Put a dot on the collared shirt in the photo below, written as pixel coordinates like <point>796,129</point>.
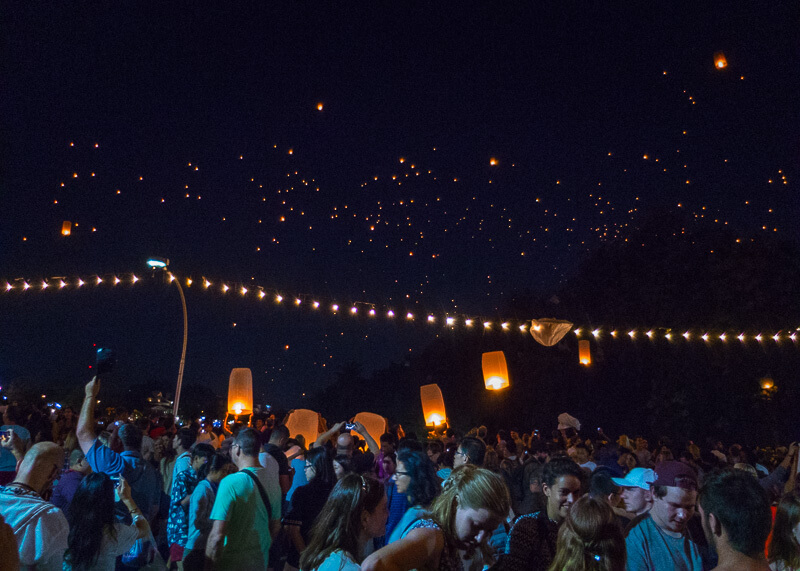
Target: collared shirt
<point>178,521</point>
<point>40,528</point>
<point>182,462</point>
<point>143,479</point>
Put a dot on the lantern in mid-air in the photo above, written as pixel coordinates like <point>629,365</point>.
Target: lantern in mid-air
<point>432,405</point>
<point>66,228</point>
<point>720,62</point>
<point>375,424</point>
<point>584,352</point>
<point>548,332</point>
<point>240,392</point>
<point>495,370</point>
<point>305,422</point>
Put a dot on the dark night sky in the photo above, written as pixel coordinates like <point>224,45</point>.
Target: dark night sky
<point>568,100</point>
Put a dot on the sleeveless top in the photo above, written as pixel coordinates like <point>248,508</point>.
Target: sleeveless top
<point>449,560</point>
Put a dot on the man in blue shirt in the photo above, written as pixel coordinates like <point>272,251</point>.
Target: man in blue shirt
<point>145,482</point>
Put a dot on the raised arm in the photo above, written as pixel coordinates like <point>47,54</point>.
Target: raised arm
<point>325,436</point>
<point>373,446</point>
<point>85,429</point>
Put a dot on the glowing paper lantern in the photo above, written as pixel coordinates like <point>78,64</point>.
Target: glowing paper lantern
<point>432,405</point>
<point>719,60</point>
<point>375,424</point>
<point>495,370</point>
<point>584,352</point>
<point>240,392</point>
<point>66,228</point>
<point>548,332</point>
<point>305,422</point>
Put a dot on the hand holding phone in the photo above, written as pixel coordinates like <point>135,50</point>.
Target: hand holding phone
<point>106,360</point>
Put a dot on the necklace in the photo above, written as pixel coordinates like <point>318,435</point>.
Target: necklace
<point>24,488</point>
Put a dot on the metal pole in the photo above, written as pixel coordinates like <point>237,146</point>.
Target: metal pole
<point>183,351</point>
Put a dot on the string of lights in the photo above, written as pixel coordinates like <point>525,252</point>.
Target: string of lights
<point>382,311</point>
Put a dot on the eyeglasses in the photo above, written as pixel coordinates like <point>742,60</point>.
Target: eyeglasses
<point>398,473</point>
<point>307,466</point>
<point>460,453</point>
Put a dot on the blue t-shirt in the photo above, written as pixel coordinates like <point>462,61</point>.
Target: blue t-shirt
<point>8,463</point>
<point>650,549</point>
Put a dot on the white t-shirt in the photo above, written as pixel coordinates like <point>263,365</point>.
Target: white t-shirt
<point>273,470</point>
<point>40,528</point>
<point>111,548</point>
<point>339,561</point>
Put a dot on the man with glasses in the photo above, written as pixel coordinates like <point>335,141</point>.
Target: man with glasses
<point>470,451</point>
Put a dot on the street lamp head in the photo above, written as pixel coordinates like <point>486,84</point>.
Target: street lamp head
<point>156,262</point>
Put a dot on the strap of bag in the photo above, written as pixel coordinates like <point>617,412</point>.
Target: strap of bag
<point>262,492</point>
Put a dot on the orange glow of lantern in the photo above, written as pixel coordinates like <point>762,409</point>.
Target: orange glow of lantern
<point>319,106</point>
<point>432,405</point>
<point>767,384</point>
<point>305,422</point>
<point>66,228</point>
<point>495,371</point>
<point>720,62</point>
<point>240,392</point>
<point>548,332</point>
<point>584,352</point>
<point>375,424</point>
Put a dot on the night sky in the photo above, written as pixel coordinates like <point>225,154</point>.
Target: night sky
<point>420,157</point>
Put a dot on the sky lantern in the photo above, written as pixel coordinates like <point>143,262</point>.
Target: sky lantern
<point>375,424</point>
<point>584,352</point>
<point>319,106</point>
<point>305,422</point>
<point>495,371</point>
<point>66,228</point>
<point>432,405</point>
<point>240,392</point>
<point>548,332</point>
<point>493,162</point>
<point>720,62</point>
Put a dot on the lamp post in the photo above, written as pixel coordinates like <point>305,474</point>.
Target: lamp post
<point>162,263</point>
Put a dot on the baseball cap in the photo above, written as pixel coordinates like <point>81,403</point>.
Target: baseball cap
<point>675,474</point>
<point>637,478</point>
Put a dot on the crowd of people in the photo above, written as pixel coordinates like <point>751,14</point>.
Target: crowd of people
<point>121,493</point>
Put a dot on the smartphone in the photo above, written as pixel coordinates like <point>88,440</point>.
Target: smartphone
<point>106,360</point>
<point>115,479</point>
<point>350,426</point>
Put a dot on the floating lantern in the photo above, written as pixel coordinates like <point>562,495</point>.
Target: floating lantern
<point>305,422</point>
<point>767,384</point>
<point>584,352</point>
<point>432,405</point>
<point>66,228</point>
<point>719,60</point>
<point>240,392</point>
<point>548,332</point>
<point>495,370</point>
<point>375,424</point>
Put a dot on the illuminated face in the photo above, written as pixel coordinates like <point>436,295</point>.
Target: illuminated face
<point>401,478</point>
<point>374,523</point>
<point>460,458</point>
<point>565,491</point>
<point>636,499</point>
<point>388,465</point>
<point>474,527</point>
<point>673,511</point>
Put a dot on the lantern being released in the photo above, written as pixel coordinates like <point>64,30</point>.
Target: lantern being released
<point>240,392</point>
<point>432,405</point>
<point>495,370</point>
<point>719,60</point>
<point>66,228</point>
<point>584,352</point>
<point>305,422</point>
<point>375,424</point>
<point>548,332</point>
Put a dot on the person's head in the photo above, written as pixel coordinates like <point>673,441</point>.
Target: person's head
<point>41,466</point>
<point>202,454</point>
<point>674,496</point>
<point>434,450</point>
<point>342,465</point>
<point>319,467</point>
<point>91,513</point>
<point>785,543</point>
<point>561,484</point>
<point>535,478</point>
<point>735,510</point>
<point>603,487</point>
<point>581,454</point>
<point>388,443</point>
<point>635,490</point>
<point>345,444</point>
<point>473,502</point>
<point>481,432</point>
<point>591,538</point>
<point>130,436</point>
<point>355,512</point>
<point>416,477</point>
<point>279,436</point>
<point>12,415</point>
<point>245,447</point>
<point>184,439</point>
<point>78,462</point>
<point>470,451</point>
<point>389,463</point>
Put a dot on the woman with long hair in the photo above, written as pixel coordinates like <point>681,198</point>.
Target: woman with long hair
<point>355,513</point>
<point>472,504</point>
<point>307,502</point>
<point>416,478</point>
<point>783,551</point>
<point>590,539</point>
<point>342,465</point>
<point>96,538</point>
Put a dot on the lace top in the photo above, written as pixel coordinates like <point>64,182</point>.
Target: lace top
<point>449,560</point>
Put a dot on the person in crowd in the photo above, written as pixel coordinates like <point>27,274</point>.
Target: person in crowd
<point>69,481</point>
<point>470,451</point>
<point>388,467</point>
<point>182,488</point>
<point>353,515</point>
<point>472,504</point>
<point>582,457</point>
<point>736,517</point>
<point>274,447</point>
<point>143,479</point>
<point>533,499</point>
<point>12,417</point>
<point>148,444</point>
<point>96,537</point>
<point>247,510</point>
<point>416,479</point>
<point>182,443</point>
<point>397,500</point>
<point>342,465</point>
<point>531,543</point>
<point>200,505</point>
<point>307,502</point>
<point>388,444</point>
<point>659,539</point>
<point>434,449</point>
<point>603,487</point>
<point>40,528</point>
<point>642,453</point>
<point>64,424</point>
<point>635,490</point>
<point>491,460</point>
<point>783,551</point>
<point>362,462</point>
<point>589,539</point>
